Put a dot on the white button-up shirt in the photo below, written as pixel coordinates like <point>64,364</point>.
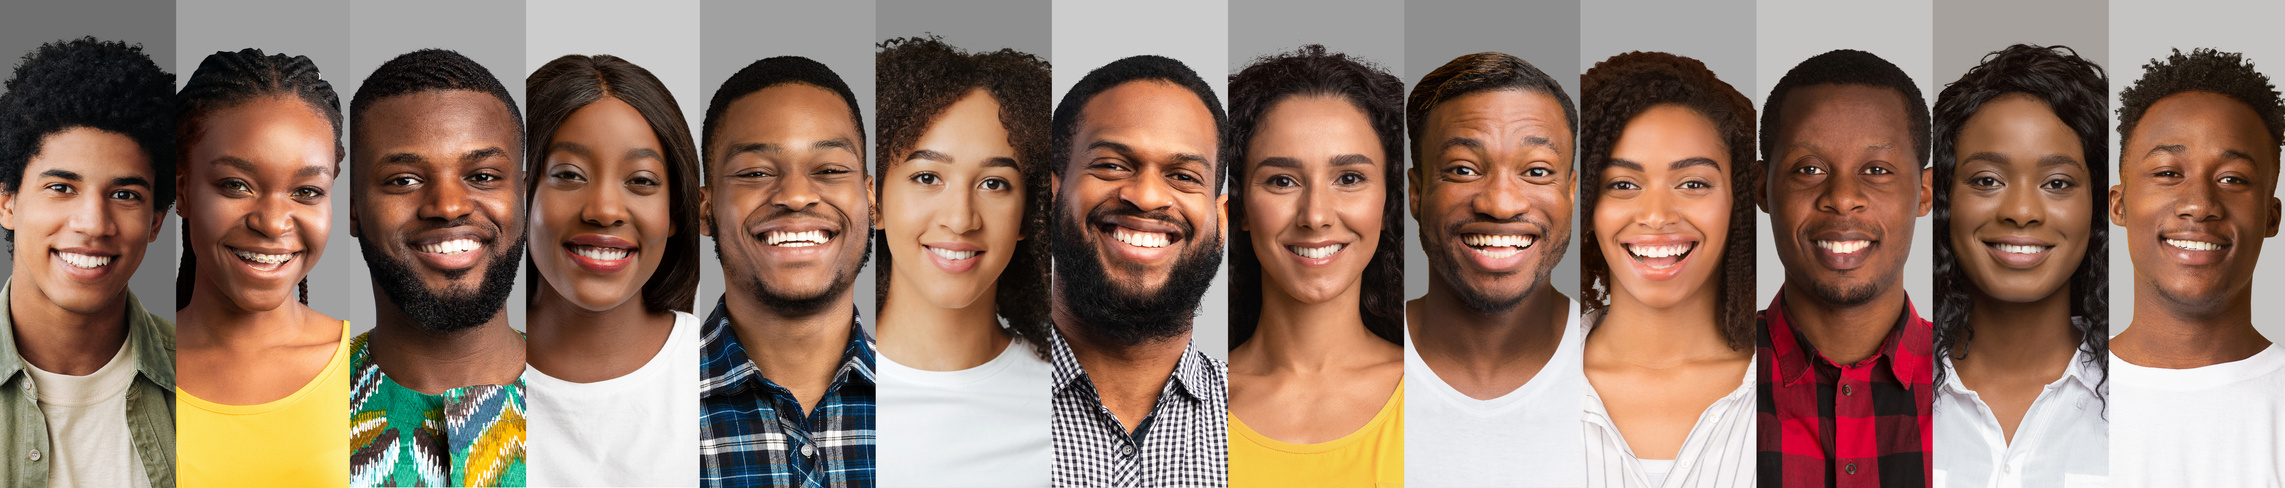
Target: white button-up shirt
<point>1718,453</point>
<point>2063,440</point>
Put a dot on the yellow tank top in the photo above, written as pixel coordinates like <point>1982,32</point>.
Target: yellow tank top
<point>299,440</point>
<point>1372,456</point>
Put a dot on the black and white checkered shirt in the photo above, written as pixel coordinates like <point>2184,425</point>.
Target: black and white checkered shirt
<point>1184,442</point>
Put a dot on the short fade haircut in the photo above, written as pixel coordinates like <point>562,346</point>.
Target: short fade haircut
<point>1135,68</point>
<point>423,71</point>
<point>1847,67</point>
<point>1484,71</point>
<point>2205,70</point>
<point>109,86</point>
<point>562,87</point>
<point>773,72</point>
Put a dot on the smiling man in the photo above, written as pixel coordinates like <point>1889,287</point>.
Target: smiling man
<point>787,391</point>
<point>1845,361</point>
<point>436,204</point>
<point>1492,352</point>
<point>2198,392</point>
<point>86,176</point>
<point>1137,153</point>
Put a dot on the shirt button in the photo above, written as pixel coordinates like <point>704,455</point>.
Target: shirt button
<point>1851,468</point>
<point>1127,451</point>
<point>35,455</point>
<point>808,450</point>
<point>1845,390</point>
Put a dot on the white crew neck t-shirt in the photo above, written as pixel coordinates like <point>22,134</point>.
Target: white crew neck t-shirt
<point>2219,425</point>
<point>983,426</point>
<point>1530,437</point>
<point>640,429</point>
<point>87,422</point>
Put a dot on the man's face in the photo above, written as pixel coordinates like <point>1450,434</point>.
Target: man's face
<point>82,218</point>
<point>788,202</point>
<point>1138,221</point>
<point>2196,194</point>
<point>439,204</point>
<point>1493,194</point>
<point>1844,188</point>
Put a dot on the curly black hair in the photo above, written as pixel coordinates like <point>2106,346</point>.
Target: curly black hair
<point>1484,71</point>
<point>773,72</point>
<point>1847,67</point>
<point>1312,72</point>
<point>423,71</point>
<point>229,79</point>
<point>1621,88</point>
<point>2206,70</point>
<point>921,77</point>
<point>563,86</point>
<point>109,86</point>
<point>2074,88</point>
<point>1134,68</point>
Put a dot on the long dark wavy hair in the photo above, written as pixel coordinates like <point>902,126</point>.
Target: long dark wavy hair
<point>919,78</point>
<point>569,83</point>
<point>2075,89</point>
<point>1613,93</point>
<point>228,79</point>
<point>1312,71</point>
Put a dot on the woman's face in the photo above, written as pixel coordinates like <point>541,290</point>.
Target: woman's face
<point>953,207</point>
<point>257,199</point>
<point>1314,190</point>
<point>1663,215</point>
<point>2020,201</point>
<point>599,216</point>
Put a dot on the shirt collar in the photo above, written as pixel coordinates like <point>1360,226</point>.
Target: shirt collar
<point>1191,373</point>
<point>1907,349</point>
<point>154,339</point>
<point>729,370</point>
<point>2081,370</point>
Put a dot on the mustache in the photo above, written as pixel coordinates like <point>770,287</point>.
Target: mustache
<point>1452,227</point>
<point>1121,208</point>
<point>1845,225</point>
<point>491,230</point>
<point>777,212</point>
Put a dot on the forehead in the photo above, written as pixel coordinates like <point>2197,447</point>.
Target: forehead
<point>1836,115</point>
<point>1149,116</point>
<point>90,153</point>
<point>1506,111</point>
<point>1315,118</point>
<point>436,121</point>
<point>1669,131</point>
<point>786,112</point>
<point>2206,122</point>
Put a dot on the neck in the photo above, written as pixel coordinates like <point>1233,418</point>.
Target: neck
<point>212,318</point>
<point>1312,337</point>
<point>790,349</point>
<point>563,333</point>
<point>1661,337</point>
<point>924,336</point>
<point>2034,333</point>
<point>62,341</point>
<point>1845,333</point>
<point>430,362</point>
<point>2167,334</point>
<point>1487,342</point>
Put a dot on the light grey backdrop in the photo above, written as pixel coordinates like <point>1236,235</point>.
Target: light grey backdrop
<point>488,31</point>
<point>1543,33</point>
<point>294,27</point>
<point>2142,31</point>
<point>1088,35</point>
<point>150,23</point>
<point>973,25</point>
<point>738,33</point>
<point>657,37</point>
<point>1791,31</point>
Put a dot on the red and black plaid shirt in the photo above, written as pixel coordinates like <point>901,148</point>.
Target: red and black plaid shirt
<point>1862,424</point>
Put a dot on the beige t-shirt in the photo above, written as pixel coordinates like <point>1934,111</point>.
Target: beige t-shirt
<point>87,420</point>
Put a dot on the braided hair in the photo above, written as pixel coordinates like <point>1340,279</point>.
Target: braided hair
<point>230,79</point>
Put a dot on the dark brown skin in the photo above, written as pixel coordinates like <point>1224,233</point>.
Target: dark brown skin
<point>244,338</point>
<point>2021,178</point>
<point>1519,167</point>
<point>604,176</point>
<point>1845,170</point>
<point>438,156</point>
<point>1162,127</point>
<point>2198,167</point>
<point>66,323</point>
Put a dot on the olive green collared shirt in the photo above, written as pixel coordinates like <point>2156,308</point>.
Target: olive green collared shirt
<point>25,448</point>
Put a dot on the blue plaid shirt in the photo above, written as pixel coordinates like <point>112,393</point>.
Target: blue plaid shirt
<point>753,433</point>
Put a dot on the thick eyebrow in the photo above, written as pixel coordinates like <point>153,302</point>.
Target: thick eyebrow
<point>1986,156</point>
<point>248,166</point>
<point>768,149</point>
<point>1129,152</point>
<point>1700,161</point>
<point>576,149</point>
<point>61,174</point>
<point>402,158</point>
<point>1462,142</point>
<point>483,154</point>
<point>929,155</point>
<point>2058,160</point>
<point>1626,164</point>
<point>1351,160</point>
<point>131,181</point>
<point>1279,162</point>
<point>643,153</point>
<point>843,144</point>
<point>1000,163</point>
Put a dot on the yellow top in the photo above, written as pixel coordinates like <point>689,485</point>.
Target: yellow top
<point>1373,456</point>
<point>299,440</point>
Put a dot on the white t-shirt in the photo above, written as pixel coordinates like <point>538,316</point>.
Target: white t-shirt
<point>2219,425</point>
<point>1718,452</point>
<point>2063,440</point>
<point>1529,437</point>
<point>640,429</point>
<point>983,426</point>
<point>87,420</point>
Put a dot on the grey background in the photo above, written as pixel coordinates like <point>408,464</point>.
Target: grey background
<point>1089,35</point>
<point>488,31</point>
<point>151,23</point>
<point>1543,33</point>
<point>1719,33</point>
<point>656,37</point>
<point>734,34</point>
<point>293,27</point>
<point>2227,25</point>
<point>1791,31</point>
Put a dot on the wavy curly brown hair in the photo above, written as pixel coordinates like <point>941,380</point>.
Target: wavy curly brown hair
<point>1613,93</point>
<point>918,78</point>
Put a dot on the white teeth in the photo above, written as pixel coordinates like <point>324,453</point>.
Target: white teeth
<point>1316,252</point>
<point>953,255</point>
<point>78,260</point>
<point>1665,251</point>
<point>600,253</point>
<point>2194,245</point>
<point>2019,248</point>
<point>795,239</point>
<point>455,246</point>
<point>1485,240</point>
<point>262,258</point>
<point>1138,238</point>
<point>1843,247</point>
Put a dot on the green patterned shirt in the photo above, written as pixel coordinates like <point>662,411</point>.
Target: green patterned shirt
<point>468,436</point>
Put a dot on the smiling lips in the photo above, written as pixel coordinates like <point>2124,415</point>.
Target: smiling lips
<point>804,238</point>
<point>451,246</point>
<point>263,261</point>
<point>1142,239</point>
<point>1661,256</point>
<point>1497,246</point>
<point>83,261</point>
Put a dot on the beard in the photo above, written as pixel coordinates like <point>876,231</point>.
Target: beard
<point>448,310</point>
<point>1483,302</point>
<point>786,302</point>
<point>1122,314</point>
<point>1846,295</point>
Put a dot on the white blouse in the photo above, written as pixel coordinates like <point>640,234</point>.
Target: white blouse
<point>1718,453</point>
<point>2063,440</point>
